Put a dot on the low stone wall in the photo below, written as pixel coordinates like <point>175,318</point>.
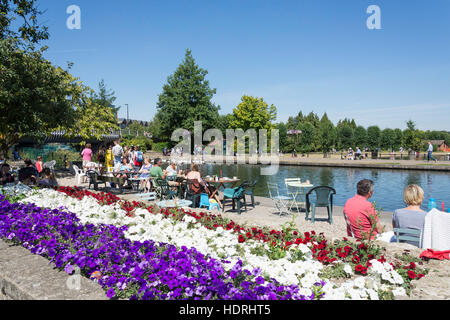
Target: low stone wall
<point>25,276</point>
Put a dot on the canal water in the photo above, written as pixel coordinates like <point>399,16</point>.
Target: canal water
<point>389,184</point>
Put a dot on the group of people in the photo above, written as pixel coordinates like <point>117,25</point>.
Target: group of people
<point>354,155</point>
<point>31,174</point>
<point>363,221</point>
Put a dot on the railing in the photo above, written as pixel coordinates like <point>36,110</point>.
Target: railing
<point>421,156</point>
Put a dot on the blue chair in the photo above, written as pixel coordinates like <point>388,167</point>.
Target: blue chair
<point>250,191</point>
<point>236,195</point>
<point>324,198</point>
<point>204,200</point>
<point>411,236</point>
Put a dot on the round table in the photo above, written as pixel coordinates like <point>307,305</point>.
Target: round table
<point>172,204</point>
<point>300,185</point>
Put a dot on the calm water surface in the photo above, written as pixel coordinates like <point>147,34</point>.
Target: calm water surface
<point>389,184</point>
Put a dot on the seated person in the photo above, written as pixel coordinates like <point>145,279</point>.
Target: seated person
<point>5,176</point>
<point>145,174</point>
<point>361,213</point>
<point>172,169</point>
<point>350,154</point>
<point>358,154</point>
<point>411,217</point>
<point>122,168</point>
<point>194,174</point>
<point>157,173</point>
<point>28,174</point>
<point>47,178</point>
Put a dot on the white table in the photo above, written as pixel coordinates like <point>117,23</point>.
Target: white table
<point>300,186</point>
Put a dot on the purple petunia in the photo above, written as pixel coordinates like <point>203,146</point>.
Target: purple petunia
<point>138,270</point>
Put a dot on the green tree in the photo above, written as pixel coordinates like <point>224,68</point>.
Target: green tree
<point>398,138</point>
<point>360,137</point>
<point>344,135</point>
<point>253,113</point>
<point>105,97</point>
<point>19,21</point>
<point>327,134</point>
<point>373,137</point>
<point>307,137</point>
<point>387,139</point>
<point>33,95</point>
<point>282,129</point>
<point>412,138</point>
<point>186,98</point>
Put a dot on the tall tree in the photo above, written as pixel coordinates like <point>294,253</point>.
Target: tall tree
<point>373,137</point>
<point>387,139</point>
<point>327,134</point>
<point>360,137</point>
<point>344,135</point>
<point>412,137</point>
<point>186,98</point>
<point>105,97</point>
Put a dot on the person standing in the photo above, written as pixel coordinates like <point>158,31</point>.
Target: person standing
<point>430,152</point>
<point>117,153</point>
<point>87,154</point>
<point>39,164</point>
<point>109,158</point>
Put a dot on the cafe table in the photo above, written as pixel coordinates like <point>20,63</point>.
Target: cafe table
<point>300,186</point>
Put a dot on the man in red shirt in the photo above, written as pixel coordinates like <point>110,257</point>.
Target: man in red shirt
<point>361,213</point>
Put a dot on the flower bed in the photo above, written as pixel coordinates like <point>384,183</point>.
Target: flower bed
<point>133,269</point>
<point>288,264</point>
<point>357,256</point>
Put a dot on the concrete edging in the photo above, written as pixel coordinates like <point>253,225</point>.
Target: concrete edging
<point>26,276</point>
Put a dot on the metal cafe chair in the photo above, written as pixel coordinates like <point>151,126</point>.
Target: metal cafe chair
<point>281,201</point>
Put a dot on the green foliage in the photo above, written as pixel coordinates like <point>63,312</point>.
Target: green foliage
<point>387,139</point>
<point>327,134</point>
<point>18,21</point>
<point>360,137</point>
<point>253,113</point>
<point>373,137</point>
<point>412,137</point>
<point>104,97</point>
<point>186,98</point>
<point>33,100</point>
<point>159,146</point>
<point>143,142</point>
<point>345,135</point>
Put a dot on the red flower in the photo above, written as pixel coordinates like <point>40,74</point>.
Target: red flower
<point>241,238</point>
<point>355,259</point>
<point>412,265</point>
<point>412,274</point>
<point>421,275</point>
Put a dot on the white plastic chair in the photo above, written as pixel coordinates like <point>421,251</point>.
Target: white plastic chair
<point>50,165</point>
<point>78,174</point>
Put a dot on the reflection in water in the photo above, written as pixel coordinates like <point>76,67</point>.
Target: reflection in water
<point>389,184</point>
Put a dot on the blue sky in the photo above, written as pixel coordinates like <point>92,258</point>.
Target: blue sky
<point>298,55</point>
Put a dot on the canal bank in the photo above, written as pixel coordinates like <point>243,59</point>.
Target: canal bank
<point>316,161</point>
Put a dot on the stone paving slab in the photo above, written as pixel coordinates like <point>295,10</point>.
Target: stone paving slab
<point>25,276</point>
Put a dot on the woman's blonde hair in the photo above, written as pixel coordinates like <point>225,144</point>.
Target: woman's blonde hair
<point>413,195</point>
